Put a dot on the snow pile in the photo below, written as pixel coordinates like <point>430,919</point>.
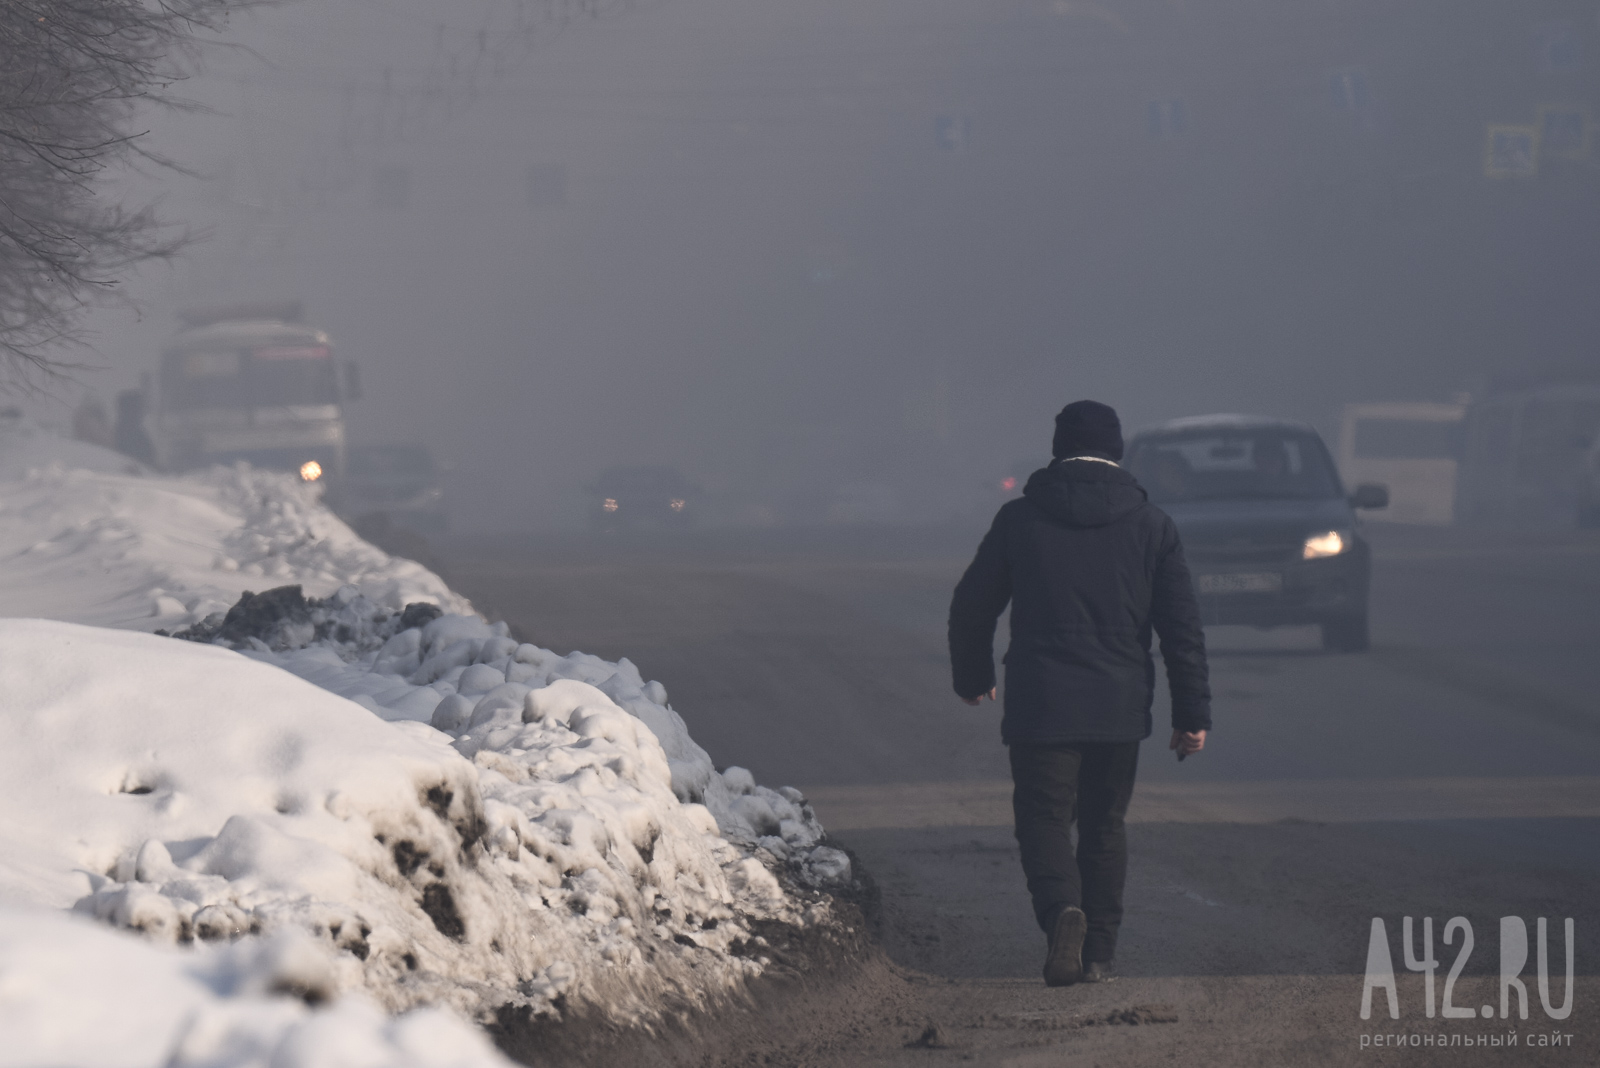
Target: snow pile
<point>77,994</point>
<point>24,446</point>
<point>194,794</point>
<point>347,763</point>
<point>123,550</point>
<point>472,681</point>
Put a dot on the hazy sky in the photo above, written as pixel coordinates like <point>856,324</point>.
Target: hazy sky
<point>793,246</point>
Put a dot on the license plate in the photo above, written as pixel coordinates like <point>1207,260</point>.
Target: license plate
<point>1242,582</point>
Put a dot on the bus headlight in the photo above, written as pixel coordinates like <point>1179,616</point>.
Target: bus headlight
<point>310,471</point>
<point>1328,543</point>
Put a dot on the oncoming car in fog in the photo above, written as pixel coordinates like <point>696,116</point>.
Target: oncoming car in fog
<point>1270,536</point>
<point>626,498</point>
<point>400,481</point>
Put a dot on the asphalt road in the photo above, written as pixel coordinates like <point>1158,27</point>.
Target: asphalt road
<point>1454,770</point>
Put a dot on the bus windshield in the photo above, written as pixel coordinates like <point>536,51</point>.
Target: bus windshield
<point>250,378</point>
<point>1232,464</point>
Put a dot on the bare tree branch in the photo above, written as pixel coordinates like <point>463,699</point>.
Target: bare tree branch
<point>71,74</point>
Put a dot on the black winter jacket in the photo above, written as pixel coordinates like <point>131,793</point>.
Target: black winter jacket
<point>1090,567</point>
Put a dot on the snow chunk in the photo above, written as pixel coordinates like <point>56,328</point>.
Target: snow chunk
<point>244,1004</point>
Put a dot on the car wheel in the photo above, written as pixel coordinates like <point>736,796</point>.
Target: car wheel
<point>1345,635</point>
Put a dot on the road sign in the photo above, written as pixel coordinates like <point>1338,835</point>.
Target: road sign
<point>952,132</point>
<point>1563,131</point>
<point>1557,48</point>
<point>1166,118</point>
<point>1511,151</point>
<point>1347,89</point>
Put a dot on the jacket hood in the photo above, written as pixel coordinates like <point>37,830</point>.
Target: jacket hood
<point>1084,493</point>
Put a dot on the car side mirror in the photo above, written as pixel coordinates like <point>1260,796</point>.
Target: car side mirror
<point>1370,495</point>
<point>352,382</point>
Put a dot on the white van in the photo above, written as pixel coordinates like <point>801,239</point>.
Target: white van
<point>1411,447</point>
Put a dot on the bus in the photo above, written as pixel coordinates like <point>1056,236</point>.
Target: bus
<point>251,383</point>
<point>1411,447</point>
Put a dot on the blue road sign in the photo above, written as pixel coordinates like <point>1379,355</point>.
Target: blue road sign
<point>1347,89</point>
<point>1557,48</point>
<point>952,132</point>
<point>1563,131</point>
<point>1166,118</point>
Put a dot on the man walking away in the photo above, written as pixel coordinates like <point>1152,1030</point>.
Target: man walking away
<point>1089,568</point>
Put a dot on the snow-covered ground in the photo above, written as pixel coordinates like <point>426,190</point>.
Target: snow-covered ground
<point>347,799</point>
<point>77,994</point>
<point>87,537</point>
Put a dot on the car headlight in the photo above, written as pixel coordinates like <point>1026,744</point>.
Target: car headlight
<point>1327,543</point>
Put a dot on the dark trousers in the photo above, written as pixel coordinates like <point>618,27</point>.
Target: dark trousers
<point>1089,783</point>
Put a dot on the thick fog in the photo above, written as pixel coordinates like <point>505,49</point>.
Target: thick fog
<point>870,246</point>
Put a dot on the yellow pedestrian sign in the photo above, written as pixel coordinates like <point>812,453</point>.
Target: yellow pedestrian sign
<point>1511,151</point>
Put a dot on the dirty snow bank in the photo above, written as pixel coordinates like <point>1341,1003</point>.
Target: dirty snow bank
<point>472,681</point>
<point>481,824</point>
<point>77,994</point>
<point>126,550</point>
<point>194,794</point>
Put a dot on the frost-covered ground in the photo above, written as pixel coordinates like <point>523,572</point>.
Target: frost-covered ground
<point>340,797</point>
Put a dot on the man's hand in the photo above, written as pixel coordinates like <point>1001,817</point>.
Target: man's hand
<point>978,700</point>
<point>1186,743</point>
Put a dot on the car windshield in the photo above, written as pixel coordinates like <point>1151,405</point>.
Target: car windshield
<point>1232,464</point>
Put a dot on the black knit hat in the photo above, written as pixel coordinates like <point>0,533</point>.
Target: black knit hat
<point>1087,427</point>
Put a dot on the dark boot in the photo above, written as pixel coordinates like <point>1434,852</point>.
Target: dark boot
<point>1064,965</point>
